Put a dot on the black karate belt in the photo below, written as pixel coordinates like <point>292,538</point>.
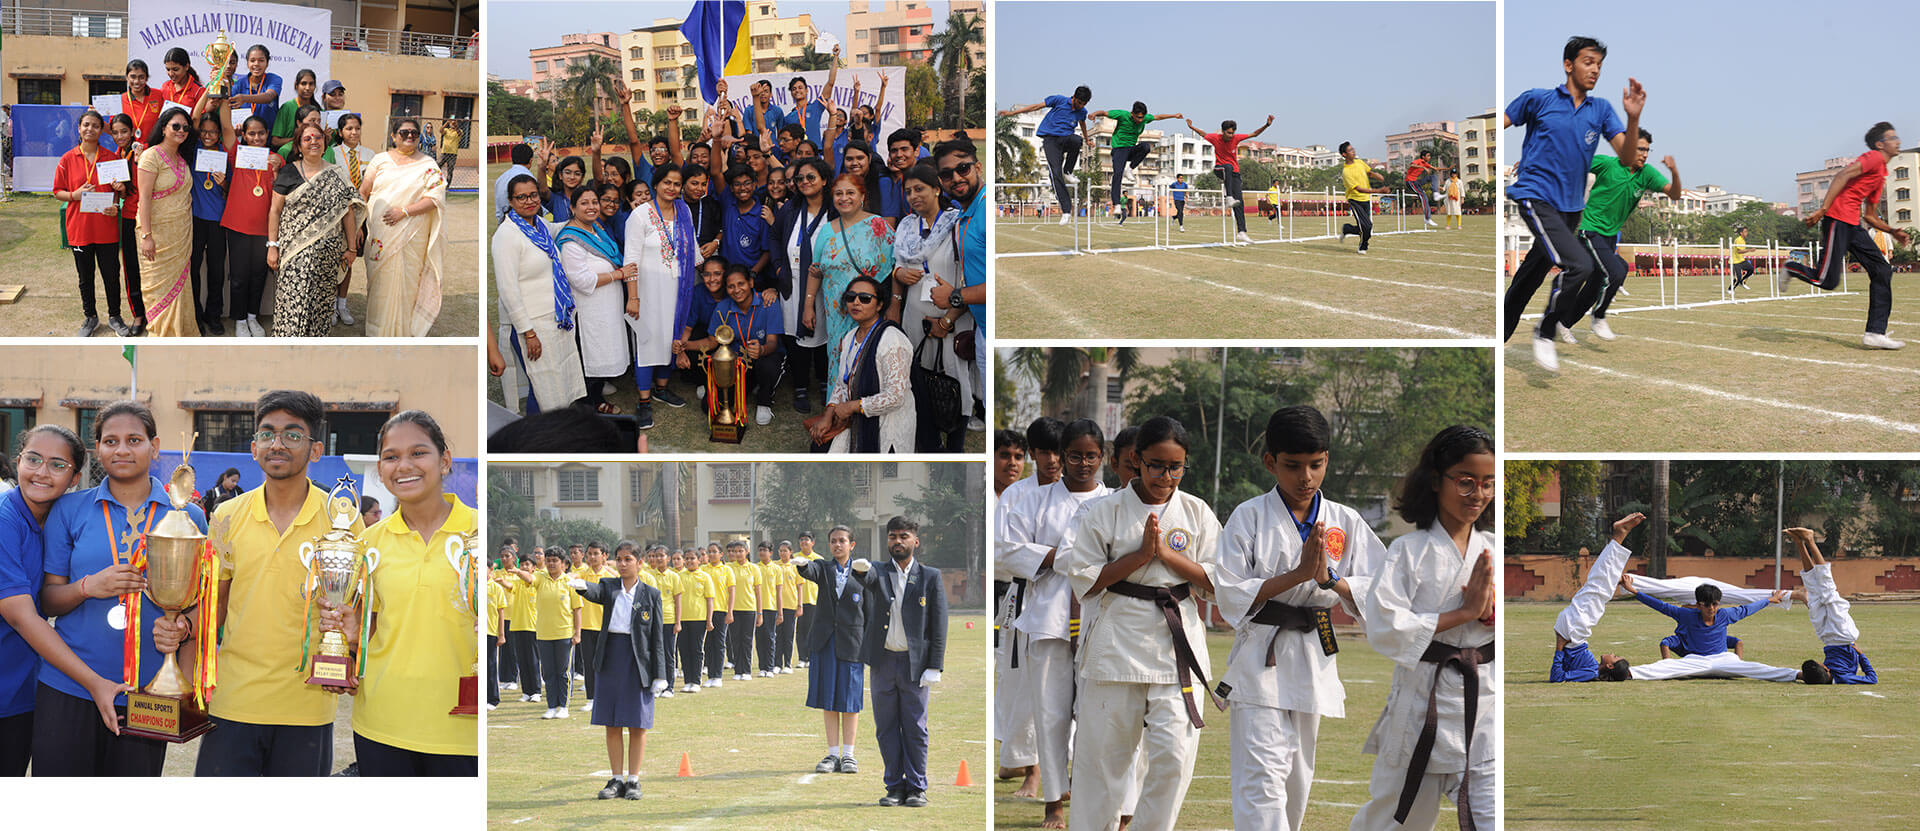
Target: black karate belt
<point>1019,604</point>
<point>1168,598</point>
<point>1468,659</point>
<point>999,591</point>
<point>1297,619</point>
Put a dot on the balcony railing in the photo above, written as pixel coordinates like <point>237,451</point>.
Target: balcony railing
<point>109,24</point>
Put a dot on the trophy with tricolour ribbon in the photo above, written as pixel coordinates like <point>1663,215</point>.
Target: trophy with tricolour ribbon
<point>726,390</point>
<point>219,55</point>
<point>182,573</point>
<point>463,554</point>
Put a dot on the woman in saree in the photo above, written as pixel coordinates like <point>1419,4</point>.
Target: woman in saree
<point>311,234</point>
<point>165,235</point>
<point>406,197</point>
<point>853,244</point>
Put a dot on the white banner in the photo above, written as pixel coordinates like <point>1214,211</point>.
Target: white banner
<point>298,37</point>
<point>892,117</point>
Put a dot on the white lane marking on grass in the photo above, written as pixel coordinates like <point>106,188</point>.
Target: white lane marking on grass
<point>1854,320</point>
<point>807,779</point>
<point>1779,357</point>
<point>522,819</point>
<point>503,726</point>
<point>1769,327</point>
<point>1482,293</point>
<point>1074,323</point>
<point>1870,694</point>
<point>784,735</point>
<point>1486,268</point>
<point>1861,418</point>
<point>1320,307</point>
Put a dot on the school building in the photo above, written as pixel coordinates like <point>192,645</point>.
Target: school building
<point>407,58</point>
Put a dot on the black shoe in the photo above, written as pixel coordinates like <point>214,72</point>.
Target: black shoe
<point>666,396</point>
<point>800,402</point>
<point>848,765</point>
<point>87,326</point>
<point>1814,672</point>
<point>643,416</point>
<point>119,326</point>
<point>891,800</point>
<point>352,769</point>
<point>915,799</point>
<point>139,328</point>
<point>827,765</point>
<point>613,789</point>
<point>214,328</point>
<point>630,790</point>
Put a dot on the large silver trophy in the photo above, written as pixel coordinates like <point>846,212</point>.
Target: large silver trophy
<point>339,565</point>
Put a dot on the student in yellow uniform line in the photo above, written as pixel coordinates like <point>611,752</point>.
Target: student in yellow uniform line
<point>721,614</point>
<point>789,611</point>
<point>657,575</point>
<point>633,667</point>
<point>809,596</point>
<point>577,566</point>
<point>496,630</point>
<point>769,597</point>
<point>556,628</point>
<point>269,720</point>
<point>696,599</point>
<point>520,621</point>
<point>593,567</point>
<point>420,645</point>
<point>746,610</point>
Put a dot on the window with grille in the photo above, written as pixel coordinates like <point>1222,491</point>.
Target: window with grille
<point>797,39</point>
<point>636,483</point>
<point>539,66</point>
<point>667,76</point>
<point>766,41</point>
<point>39,91</point>
<point>223,431</point>
<point>1900,173</point>
<point>577,485</point>
<point>863,482</point>
<point>1903,194</point>
<point>1473,152</point>
<point>637,53</point>
<point>889,37</point>
<point>732,481</point>
<point>460,109</point>
<point>354,433</point>
<point>405,104</point>
<point>519,482</point>
<point>1906,215</point>
<point>889,470</point>
<point>686,50</point>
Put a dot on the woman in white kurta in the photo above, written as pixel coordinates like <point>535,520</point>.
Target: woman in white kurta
<point>1145,539</point>
<point>600,298</point>
<point>872,387</point>
<point>537,300</point>
<point>660,243</point>
<point>406,195</point>
<point>1418,608</point>
<point>925,245</point>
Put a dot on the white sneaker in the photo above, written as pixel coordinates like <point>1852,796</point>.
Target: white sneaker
<point>560,712</point>
<point>1180,228</point>
<point>762,415</point>
<point>1877,341</point>
<point>1343,235</point>
<point>529,698</point>
<point>587,707</point>
<point>579,677</point>
<point>666,693</point>
<point>1233,203</point>
<point>491,707</point>
<point>1066,219</point>
<point>1363,251</point>
<point>1242,238</point>
<point>548,713</point>
<point>975,425</point>
<point>1624,293</point>
<point>716,683</point>
<point>689,688</point>
<point>1069,178</point>
<point>1785,281</point>
<point>1566,335</point>
<point>1601,330</point>
<point>1430,223</point>
<point>510,685</point>
<point>253,323</point>
<point>340,311</point>
<point>1544,356</point>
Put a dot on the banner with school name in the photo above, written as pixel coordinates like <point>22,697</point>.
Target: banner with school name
<point>298,37</point>
<point>892,115</point>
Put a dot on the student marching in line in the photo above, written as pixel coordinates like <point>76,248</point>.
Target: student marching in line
<point>632,667</point>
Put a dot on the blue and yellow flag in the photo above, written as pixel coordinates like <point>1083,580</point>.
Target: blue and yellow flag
<point>718,33</point>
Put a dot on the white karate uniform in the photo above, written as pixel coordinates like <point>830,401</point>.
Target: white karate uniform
<point>1679,590</point>
<point>1718,665</point>
<point>1422,578</point>
<point>1275,717</point>
<point>1012,699</point>
<point>1036,524</point>
<point>1576,622</point>
<point>1129,690</point>
<point>1830,613</point>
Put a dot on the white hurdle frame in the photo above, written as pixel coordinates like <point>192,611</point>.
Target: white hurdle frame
<point>1667,281</point>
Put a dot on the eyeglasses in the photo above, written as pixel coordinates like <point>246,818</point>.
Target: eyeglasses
<point>961,169</point>
<point>1468,485</point>
<point>287,438</point>
<point>34,461</point>
<point>1171,471</point>
<point>405,134</point>
<point>524,197</point>
<point>862,296</point>
<point>810,177</point>
<point>1076,458</point>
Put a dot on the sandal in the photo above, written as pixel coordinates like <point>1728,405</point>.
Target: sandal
<point>607,408</point>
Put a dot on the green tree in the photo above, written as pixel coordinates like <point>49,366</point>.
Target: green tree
<point>1074,377</point>
<point>1011,153</point>
<point>510,114</point>
<point>1525,482</point>
<point>564,531</point>
<point>1189,390</point>
<point>953,53</point>
<point>588,79</point>
<point>976,115</point>
<point>803,496</point>
<point>807,61</point>
<point>509,514</point>
<point>1479,195</point>
<point>922,93</point>
<point>951,517</point>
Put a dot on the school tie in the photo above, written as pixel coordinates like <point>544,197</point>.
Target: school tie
<point>353,166</point>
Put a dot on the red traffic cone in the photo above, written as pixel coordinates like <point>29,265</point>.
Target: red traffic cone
<point>686,764</point>
<point>969,624</point>
<point>963,780</point>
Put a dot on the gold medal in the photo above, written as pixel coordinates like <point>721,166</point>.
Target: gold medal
<point>257,190</point>
<point>208,184</point>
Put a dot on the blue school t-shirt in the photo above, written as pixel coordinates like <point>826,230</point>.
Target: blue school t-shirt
<point>1696,637</point>
<point>559,207</point>
<point>743,236</point>
<point>77,544</point>
<point>810,121</point>
<point>1559,145</point>
<point>1179,191</point>
<point>21,558</point>
<point>210,203</point>
<point>269,111</point>
<point>1062,116</point>
<point>776,118</point>
<point>973,256</point>
<point>757,322</point>
<point>701,309</point>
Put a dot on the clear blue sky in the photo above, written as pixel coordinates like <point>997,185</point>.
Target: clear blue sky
<point>1299,62</point>
<point>1742,95</point>
<point>512,28</point>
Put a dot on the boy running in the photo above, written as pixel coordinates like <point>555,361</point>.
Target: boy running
<point>1851,199</point>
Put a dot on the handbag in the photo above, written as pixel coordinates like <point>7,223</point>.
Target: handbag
<point>936,395</point>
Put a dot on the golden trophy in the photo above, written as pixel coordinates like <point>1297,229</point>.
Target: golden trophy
<point>469,599</point>
<point>181,574</point>
<point>219,55</point>
<point>339,565</point>
<point>726,389</point>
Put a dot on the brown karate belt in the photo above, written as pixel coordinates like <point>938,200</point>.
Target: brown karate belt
<point>1167,599</point>
<point>1297,619</point>
<point>1468,660</point>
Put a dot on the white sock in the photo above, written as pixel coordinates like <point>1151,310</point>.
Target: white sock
<point>846,750</point>
<point>633,779</point>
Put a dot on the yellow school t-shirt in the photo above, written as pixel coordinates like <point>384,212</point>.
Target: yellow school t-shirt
<point>668,583</point>
<point>769,585</point>
<point>553,605</point>
<point>519,604</point>
<point>266,624</point>
<point>809,591</point>
<point>722,578</point>
<point>1739,249</point>
<point>592,614</point>
<point>496,600</point>
<point>696,594</point>
<point>1353,174</point>
<point>746,581</point>
<point>789,586</point>
<point>421,645</point>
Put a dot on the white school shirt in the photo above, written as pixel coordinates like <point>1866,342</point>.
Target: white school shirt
<point>1261,541</point>
<point>619,618</point>
<point>1422,578</point>
<point>1125,639</point>
<point>896,631</point>
<point>1042,520</point>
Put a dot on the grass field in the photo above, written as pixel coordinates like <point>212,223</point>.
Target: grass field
<point>1340,769</point>
<point>1784,375</point>
<point>1709,753</point>
<point>30,253</point>
<point>1437,284</point>
<point>752,747</point>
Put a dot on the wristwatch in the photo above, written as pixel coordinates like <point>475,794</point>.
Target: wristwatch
<point>1329,583</point>
<point>954,299</point>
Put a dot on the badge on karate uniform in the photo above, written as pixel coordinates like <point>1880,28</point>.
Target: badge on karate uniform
<point>1178,539</point>
<point>1336,544</point>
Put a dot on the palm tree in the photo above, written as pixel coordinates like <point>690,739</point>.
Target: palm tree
<point>808,60</point>
<point>1011,153</point>
<point>1076,375</point>
<point>589,79</point>
<point>1444,153</point>
<point>953,53</point>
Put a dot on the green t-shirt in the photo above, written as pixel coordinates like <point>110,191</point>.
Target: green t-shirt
<point>1126,132</point>
<point>283,122</point>
<point>1616,191</point>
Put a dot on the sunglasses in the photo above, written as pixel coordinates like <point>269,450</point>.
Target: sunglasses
<point>862,296</point>
<point>961,169</point>
<point>177,126</point>
<point>407,133</point>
